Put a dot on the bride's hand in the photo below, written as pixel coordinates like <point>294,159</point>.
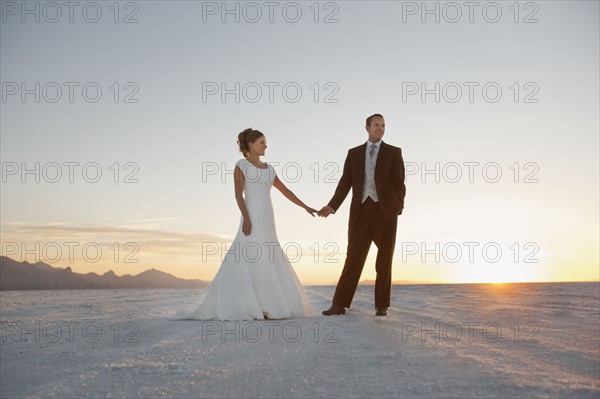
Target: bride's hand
<point>246,227</point>
<point>311,211</point>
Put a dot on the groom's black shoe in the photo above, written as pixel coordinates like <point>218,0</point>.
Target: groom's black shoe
<point>334,309</point>
<point>381,312</point>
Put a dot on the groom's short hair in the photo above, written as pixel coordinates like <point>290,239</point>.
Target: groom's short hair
<point>371,118</point>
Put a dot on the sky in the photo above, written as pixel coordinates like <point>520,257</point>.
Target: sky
<point>119,123</point>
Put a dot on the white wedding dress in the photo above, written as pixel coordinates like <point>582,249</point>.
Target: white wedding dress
<point>255,278</point>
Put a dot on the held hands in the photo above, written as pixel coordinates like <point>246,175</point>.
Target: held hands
<point>325,211</point>
<point>311,211</point>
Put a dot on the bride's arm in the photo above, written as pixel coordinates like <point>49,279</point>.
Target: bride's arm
<point>287,193</point>
<point>238,179</point>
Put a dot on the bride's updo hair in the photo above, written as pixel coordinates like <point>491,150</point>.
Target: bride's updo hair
<point>245,138</point>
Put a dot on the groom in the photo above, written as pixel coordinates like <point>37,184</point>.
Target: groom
<point>375,172</point>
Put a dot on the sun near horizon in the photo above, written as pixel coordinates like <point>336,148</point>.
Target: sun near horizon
<point>311,274</point>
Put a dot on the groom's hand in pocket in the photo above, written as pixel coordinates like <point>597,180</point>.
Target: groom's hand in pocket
<point>325,211</point>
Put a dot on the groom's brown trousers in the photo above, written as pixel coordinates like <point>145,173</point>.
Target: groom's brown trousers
<point>371,226</point>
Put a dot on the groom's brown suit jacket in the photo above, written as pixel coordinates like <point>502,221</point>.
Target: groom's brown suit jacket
<point>389,181</point>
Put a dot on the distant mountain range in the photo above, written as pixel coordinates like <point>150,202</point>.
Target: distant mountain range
<point>41,276</point>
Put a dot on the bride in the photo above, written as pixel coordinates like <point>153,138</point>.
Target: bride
<point>255,280</point>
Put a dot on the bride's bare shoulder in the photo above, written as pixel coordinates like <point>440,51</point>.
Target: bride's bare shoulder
<point>242,162</point>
